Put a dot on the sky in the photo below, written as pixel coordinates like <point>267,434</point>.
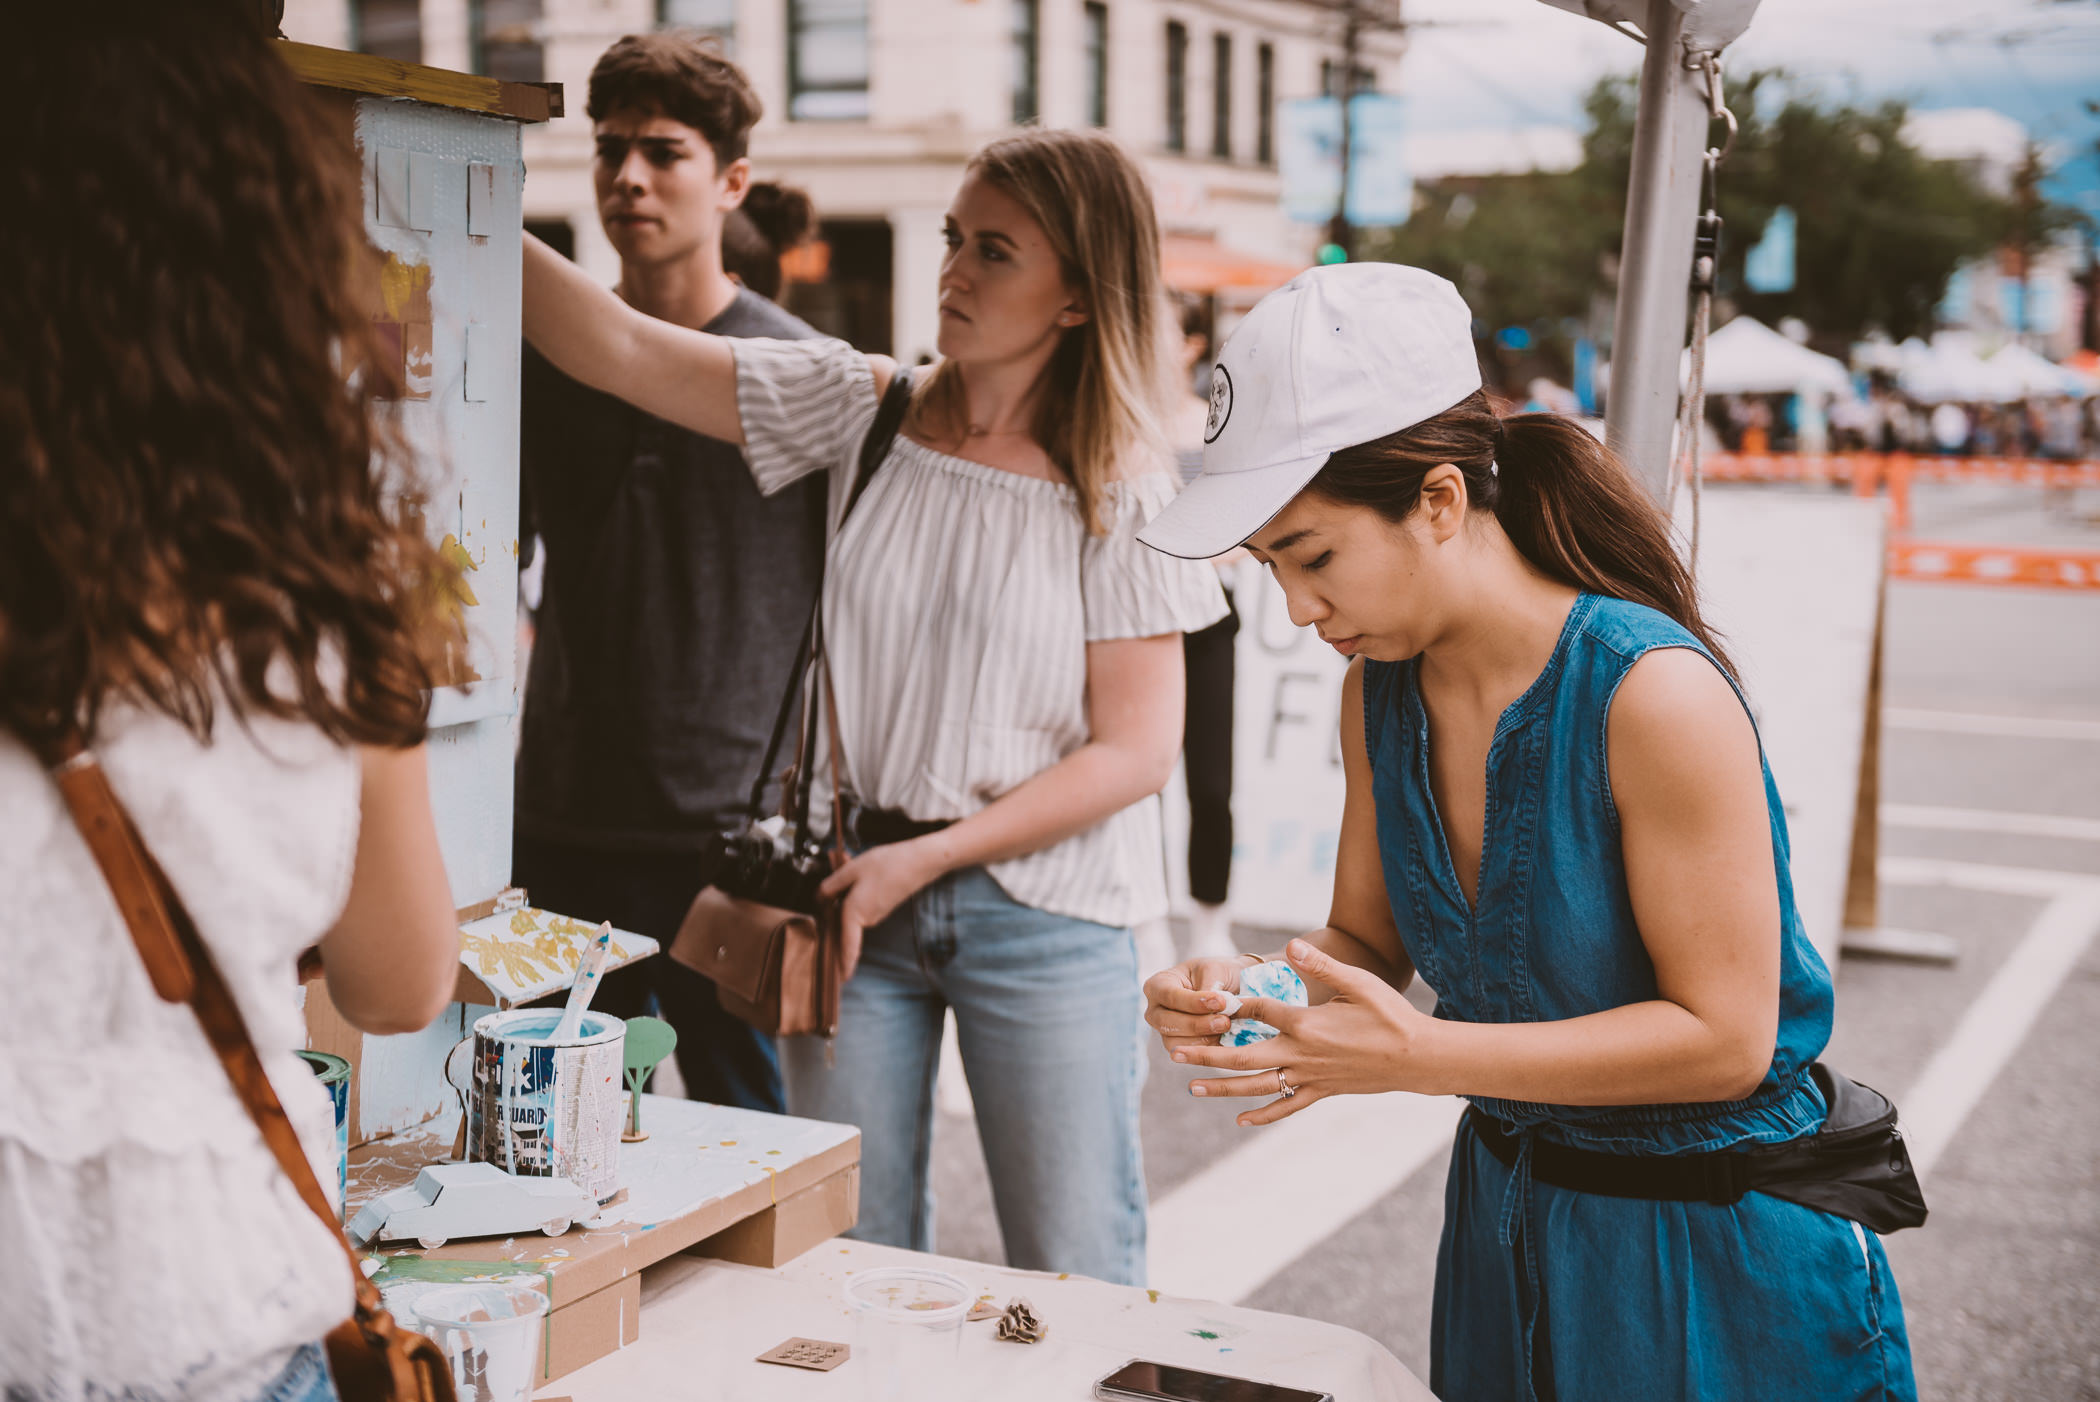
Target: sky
<point>1502,63</point>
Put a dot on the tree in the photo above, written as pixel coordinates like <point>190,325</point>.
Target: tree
<point>1881,225</point>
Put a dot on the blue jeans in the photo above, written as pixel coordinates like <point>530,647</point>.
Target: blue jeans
<point>1046,1012</point>
<point>304,1379</point>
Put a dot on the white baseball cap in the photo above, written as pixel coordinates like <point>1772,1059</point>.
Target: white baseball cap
<point>1335,357</point>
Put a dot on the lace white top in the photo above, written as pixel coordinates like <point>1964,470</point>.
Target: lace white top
<point>958,604</point>
<point>150,1248</point>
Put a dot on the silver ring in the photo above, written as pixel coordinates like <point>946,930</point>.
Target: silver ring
<point>1284,1086</point>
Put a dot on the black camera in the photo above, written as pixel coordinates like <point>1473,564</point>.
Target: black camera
<point>754,863</point>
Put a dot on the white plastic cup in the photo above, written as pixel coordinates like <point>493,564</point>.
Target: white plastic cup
<point>490,1335</point>
<point>907,1331</point>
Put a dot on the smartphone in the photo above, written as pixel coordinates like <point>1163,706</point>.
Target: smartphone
<point>1139,1381</point>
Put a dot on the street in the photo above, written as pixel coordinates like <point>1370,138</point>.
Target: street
<point>1990,835</point>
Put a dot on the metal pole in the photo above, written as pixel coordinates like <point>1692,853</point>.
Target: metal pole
<point>1655,259</point>
<point>1339,233</point>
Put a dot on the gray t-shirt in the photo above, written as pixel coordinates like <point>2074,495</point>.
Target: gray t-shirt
<point>675,597</point>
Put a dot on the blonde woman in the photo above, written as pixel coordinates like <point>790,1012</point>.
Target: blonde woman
<point>1009,675</point>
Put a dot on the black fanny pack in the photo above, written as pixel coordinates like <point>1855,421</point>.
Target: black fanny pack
<point>1855,1166</point>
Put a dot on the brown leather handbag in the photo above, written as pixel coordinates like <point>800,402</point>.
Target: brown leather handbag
<point>772,946</point>
<point>373,1358</point>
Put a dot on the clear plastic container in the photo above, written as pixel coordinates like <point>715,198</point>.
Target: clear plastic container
<point>490,1335</point>
<point>907,1331</point>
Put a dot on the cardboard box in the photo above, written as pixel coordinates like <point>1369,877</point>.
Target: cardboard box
<point>584,1331</point>
<point>786,1229</point>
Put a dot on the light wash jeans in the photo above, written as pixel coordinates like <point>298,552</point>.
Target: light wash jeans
<point>304,1379</point>
<point>1046,1012</point>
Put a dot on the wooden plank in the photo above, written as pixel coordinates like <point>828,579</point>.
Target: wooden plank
<point>703,1169</point>
<point>440,87</point>
<point>1863,880</point>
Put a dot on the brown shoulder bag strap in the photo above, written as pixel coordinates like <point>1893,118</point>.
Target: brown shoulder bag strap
<point>380,1360</point>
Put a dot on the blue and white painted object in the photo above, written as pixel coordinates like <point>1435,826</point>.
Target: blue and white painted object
<point>333,1072</point>
<point>544,1108</point>
<point>1276,981</point>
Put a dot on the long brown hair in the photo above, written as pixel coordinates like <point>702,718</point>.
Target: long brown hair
<point>1564,500</point>
<point>1100,405</point>
<point>196,504</point>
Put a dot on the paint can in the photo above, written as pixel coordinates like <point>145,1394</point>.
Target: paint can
<point>548,1110</point>
<point>333,1072</point>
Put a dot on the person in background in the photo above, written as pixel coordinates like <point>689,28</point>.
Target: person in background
<point>206,571</point>
<point>1949,428</point>
<point>1206,744</point>
<point>676,591</point>
<point>1007,663</point>
<point>772,222</point>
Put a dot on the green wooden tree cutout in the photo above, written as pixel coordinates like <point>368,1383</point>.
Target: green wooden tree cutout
<point>649,1041</point>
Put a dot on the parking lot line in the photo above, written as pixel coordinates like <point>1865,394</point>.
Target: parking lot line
<point>1924,815</point>
<point>1975,723</point>
<point>1291,1185</point>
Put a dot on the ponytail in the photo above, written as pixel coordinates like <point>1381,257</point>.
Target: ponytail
<point>1565,501</point>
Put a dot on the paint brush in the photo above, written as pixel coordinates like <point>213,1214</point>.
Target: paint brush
<point>588,968</point>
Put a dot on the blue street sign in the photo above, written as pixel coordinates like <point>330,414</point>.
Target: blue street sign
<point>1309,150</point>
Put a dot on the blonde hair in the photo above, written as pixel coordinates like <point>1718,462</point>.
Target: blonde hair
<point>1103,391</point>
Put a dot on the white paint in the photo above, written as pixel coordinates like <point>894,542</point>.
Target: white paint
<point>1997,1022</point>
<point>1317,1170</point>
<point>1974,723</point>
<point>1919,815</point>
<point>1983,876</point>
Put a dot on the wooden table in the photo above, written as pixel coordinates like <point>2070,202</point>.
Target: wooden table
<point>706,1321</point>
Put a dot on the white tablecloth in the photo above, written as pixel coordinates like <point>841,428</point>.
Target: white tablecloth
<point>705,1322</point>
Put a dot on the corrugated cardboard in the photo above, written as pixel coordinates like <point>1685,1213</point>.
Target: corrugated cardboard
<point>584,1331</point>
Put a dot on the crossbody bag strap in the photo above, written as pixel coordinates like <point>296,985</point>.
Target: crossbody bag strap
<point>183,972</point>
<point>874,447</point>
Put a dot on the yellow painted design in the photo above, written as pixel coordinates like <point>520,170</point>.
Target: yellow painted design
<point>461,593</point>
<point>404,289</point>
<point>532,951</point>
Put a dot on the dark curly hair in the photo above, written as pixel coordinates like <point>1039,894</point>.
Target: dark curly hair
<point>772,221</point>
<point>197,504</point>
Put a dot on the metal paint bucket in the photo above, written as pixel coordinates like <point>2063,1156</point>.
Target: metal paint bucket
<point>546,1110</point>
<point>334,1075</point>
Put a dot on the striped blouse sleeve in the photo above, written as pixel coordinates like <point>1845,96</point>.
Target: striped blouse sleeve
<point>805,406</point>
<point>1134,591</point>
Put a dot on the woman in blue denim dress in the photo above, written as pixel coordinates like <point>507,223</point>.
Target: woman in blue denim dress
<point>1559,815</point>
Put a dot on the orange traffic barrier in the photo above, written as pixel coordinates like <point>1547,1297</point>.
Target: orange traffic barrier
<point>1870,467</point>
<point>1994,564</point>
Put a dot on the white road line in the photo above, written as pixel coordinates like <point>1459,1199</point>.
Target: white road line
<point>1924,815</point>
<point>1983,876</point>
<point>1974,723</point>
<point>1995,1024</point>
<point>1222,1233</point>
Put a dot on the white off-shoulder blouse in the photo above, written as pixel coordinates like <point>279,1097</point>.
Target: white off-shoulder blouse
<point>959,601</point>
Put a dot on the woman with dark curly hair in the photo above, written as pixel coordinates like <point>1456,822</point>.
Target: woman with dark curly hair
<point>201,570</point>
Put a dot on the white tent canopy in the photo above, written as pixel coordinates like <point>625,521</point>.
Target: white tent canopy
<point>1950,369</point>
<point>2036,376</point>
<point>1748,357</point>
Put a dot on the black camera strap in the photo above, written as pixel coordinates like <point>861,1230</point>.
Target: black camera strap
<point>882,433</point>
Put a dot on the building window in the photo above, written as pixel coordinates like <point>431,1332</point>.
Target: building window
<point>1024,19</point>
<point>388,28</point>
<point>827,60</point>
<point>714,18</point>
<point>1096,39</point>
<point>503,38</point>
<point>1265,104</point>
<point>1221,96</point>
<point>1177,86</point>
<point>1331,79</point>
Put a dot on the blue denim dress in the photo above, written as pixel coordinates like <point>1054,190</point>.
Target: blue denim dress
<point>1543,1293</point>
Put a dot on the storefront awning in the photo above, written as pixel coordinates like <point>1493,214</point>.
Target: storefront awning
<point>1204,266</point>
